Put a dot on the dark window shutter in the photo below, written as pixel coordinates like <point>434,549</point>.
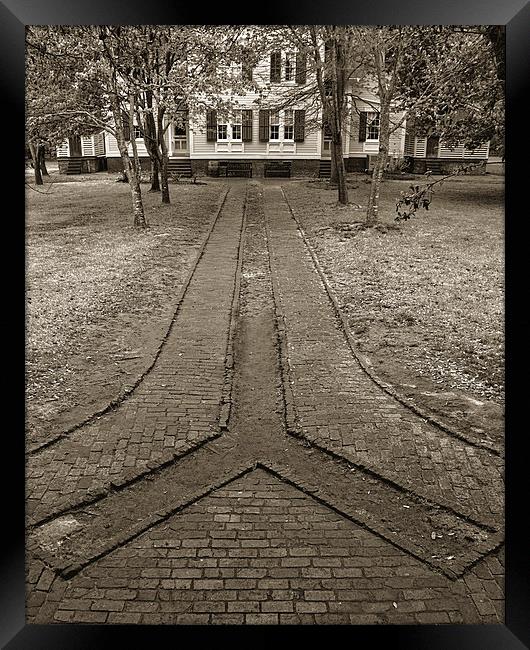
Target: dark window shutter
<point>264,125</point>
<point>299,126</point>
<point>301,65</point>
<point>126,127</point>
<point>327,50</point>
<point>211,125</point>
<point>246,121</point>
<point>362,126</point>
<point>247,71</point>
<point>276,67</point>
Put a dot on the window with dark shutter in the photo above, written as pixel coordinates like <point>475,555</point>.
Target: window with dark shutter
<point>276,67</point>
<point>246,116</point>
<point>362,126</point>
<point>301,65</point>
<point>299,126</point>
<point>211,125</point>
<point>263,125</point>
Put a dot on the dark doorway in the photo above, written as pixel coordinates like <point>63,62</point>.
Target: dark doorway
<point>75,146</point>
<point>433,142</point>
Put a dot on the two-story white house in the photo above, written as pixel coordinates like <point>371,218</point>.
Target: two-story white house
<point>272,130</point>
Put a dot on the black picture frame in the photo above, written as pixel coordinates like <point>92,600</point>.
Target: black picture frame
<point>515,14</point>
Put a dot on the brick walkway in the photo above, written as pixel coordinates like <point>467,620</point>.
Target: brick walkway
<point>339,407</point>
<point>175,407</point>
<point>259,551</point>
<point>257,526</point>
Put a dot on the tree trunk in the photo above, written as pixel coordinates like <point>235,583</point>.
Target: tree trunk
<point>155,177</point>
<point>338,164</point>
<point>380,163</point>
<point>42,161</point>
<point>164,173</point>
<point>151,141</point>
<point>164,158</point>
<point>36,166</point>
<point>138,207</point>
<point>128,165</point>
<point>334,177</point>
<point>135,173</point>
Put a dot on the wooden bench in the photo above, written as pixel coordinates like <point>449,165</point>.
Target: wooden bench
<point>235,169</point>
<point>277,169</point>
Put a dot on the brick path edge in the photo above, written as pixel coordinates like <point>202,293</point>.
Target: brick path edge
<point>128,390</point>
<point>366,367</point>
<point>134,476</point>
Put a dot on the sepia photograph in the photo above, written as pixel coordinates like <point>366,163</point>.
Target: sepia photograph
<point>265,312</point>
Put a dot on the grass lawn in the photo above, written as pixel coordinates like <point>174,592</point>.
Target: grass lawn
<point>424,300</point>
<point>100,294</point>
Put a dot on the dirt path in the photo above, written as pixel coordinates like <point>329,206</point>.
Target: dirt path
<point>257,525</point>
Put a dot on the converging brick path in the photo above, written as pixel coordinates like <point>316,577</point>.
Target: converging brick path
<point>255,526</point>
<point>175,406</point>
<point>259,551</point>
<point>339,407</point>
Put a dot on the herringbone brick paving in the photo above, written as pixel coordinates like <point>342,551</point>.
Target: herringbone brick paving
<point>259,550</point>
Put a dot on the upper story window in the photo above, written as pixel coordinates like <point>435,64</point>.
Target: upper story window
<point>372,126</point>
<point>289,66</point>
<point>276,67</point>
<point>246,65</point>
<point>222,131</point>
<point>137,132</point>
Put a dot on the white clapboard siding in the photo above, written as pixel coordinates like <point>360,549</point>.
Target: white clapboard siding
<point>480,153</point>
<point>63,150</point>
<point>114,152</point>
<point>111,146</point>
<point>309,147</point>
<point>87,146</point>
<point>140,146</point>
<point>459,151</point>
<point>445,151</point>
<point>421,148</point>
<point>397,139</point>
